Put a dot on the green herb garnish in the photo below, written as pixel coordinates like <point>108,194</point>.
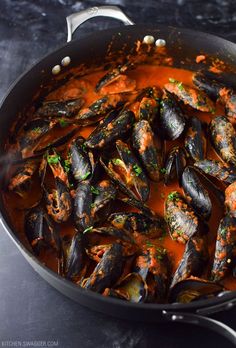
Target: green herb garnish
<point>173,196</point>
<point>88,229</point>
<point>63,122</point>
<point>163,170</point>
<point>94,190</point>
<point>137,169</point>
<point>83,177</point>
<point>53,159</point>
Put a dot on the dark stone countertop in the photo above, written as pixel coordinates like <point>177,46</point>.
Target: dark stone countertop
<point>30,309</point>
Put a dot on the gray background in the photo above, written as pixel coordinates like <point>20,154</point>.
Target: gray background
<point>30,309</point>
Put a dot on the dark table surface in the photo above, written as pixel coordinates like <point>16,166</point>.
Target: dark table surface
<point>32,313</point>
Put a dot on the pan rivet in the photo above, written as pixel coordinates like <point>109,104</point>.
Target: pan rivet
<point>160,43</point>
<point>148,39</point>
<point>65,61</point>
<point>56,69</point>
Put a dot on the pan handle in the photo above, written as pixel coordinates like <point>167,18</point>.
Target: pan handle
<point>209,323</point>
<point>76,19</point>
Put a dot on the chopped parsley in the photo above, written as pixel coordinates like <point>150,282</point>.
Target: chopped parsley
<point>223,232</point>
<point>67,165</point>
<point>117,162</point>
<point>88,229</point>
<point>137,169</point>
<point>173,196</point>
<point>63,122</point>
<point>37,130</point>
<point>53,159</point>
<point>172,80</point>
<point>94,190</point>
<point>83,177</point>
<point>163,170</point>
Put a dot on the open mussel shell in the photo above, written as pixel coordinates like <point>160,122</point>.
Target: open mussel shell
<point>194,259</point>
<point>172,120</point>
<point>56,109</point>
<point>21,181</point>
<point>217,169</point>
<point>225,249</point>
<point>137,222</point>
<point>196,195</point>
<point>223,137</point>
<point>107,271</point>
<point>230,199</point>
<point>143,143</point>
<point>81,160</point>
<point>180,217</point>
<point>196,99</point>
<point>105,133</point>
<point>210,86</point>
<point>193,289</point>
<point>132,288</point>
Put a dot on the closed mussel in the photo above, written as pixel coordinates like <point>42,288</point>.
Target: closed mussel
<point>75,258</point>
<point>195,142</point>
<point>196,194</point>
<point>174,165</point>
<point>172,121</point>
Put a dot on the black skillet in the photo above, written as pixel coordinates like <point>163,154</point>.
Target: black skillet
<point>184,45</point>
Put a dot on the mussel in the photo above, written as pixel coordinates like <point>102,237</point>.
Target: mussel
<point>83,206</point>
<point>104,195</point>
<point>223,138</point>
<point>127,173</point>
<point>196,99</point>
<point>196,194</point>
<point>137,222</point>
<point>144,145</point>
<point>66,108</point>
<point>180,217</point>
<point>80,160</point>
<point>225,249</point>
<point>153,266</point>
<point>172,121</point>
<point>193,289</point>
<point>130,288</point>
<point>194,259</point>
<point>40,232</point>
<point>75,259</point>
<point>22,180</point>
<point>230,199</point>
<point>195,142</point>
<point>217,169</point>
<point>217,90</point>
<point>174,165</point>
<point>106,133</point>
<point>58,199</point>
<point>107,271</point>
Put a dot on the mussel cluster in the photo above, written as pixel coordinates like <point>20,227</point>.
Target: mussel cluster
<point>100,184</point>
